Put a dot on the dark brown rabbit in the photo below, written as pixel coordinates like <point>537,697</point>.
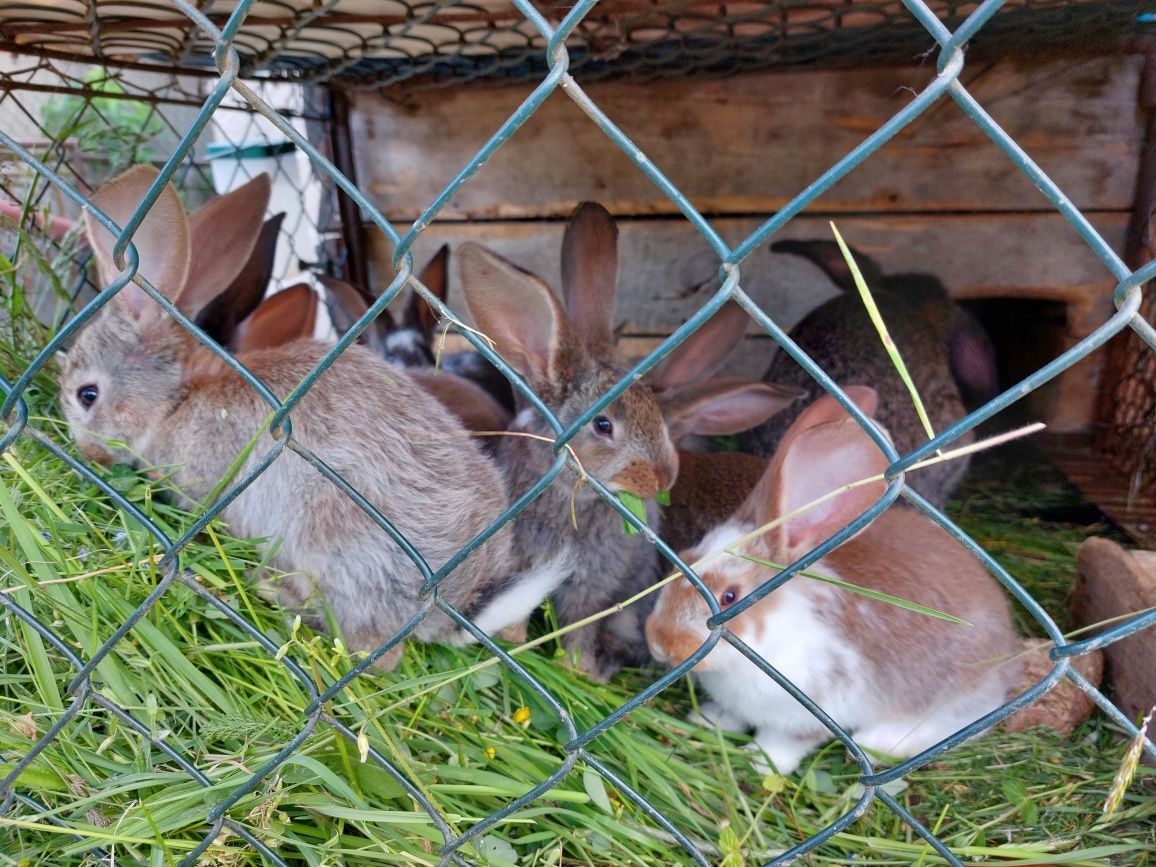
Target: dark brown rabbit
<point>945,350</point>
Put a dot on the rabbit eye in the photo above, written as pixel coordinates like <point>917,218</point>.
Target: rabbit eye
<point>728,596</point>
<point>603,425</point>
<point>87,395</point>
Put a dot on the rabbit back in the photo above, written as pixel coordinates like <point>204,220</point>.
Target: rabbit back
<point>840,337</point>
<point>427,477</point>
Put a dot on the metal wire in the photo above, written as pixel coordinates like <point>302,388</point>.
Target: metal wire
<point>226,39</point>
<point>427,45</point>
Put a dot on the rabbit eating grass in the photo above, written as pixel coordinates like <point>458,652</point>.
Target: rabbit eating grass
<point>136,387</point>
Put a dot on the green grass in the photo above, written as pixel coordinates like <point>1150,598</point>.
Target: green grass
<point>473,743</point>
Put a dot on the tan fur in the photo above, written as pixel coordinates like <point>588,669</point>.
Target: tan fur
<point>282,317</point>
<point>905,669</point>
<point>710,488</point>
<point>475,407</point>
<point>166,402</point>
<point>463,381</point>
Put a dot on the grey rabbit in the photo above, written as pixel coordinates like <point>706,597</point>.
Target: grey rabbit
<point>567,354</point>
<point>136,387</point>
<point>946,350</point>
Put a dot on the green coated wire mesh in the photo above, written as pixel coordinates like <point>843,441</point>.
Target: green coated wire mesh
<point>46,166</point>
<point>89,123</point>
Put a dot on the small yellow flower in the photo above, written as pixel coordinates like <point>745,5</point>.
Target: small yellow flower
<point>491,753</point>
<point>522,716</point>
<point>473,719</point>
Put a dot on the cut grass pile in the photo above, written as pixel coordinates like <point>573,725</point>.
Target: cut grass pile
<point>206,688</point>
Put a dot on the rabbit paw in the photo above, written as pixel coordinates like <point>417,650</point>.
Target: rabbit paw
<point>784,752</point>
<point>711,715</point>
<point>588,656</point>
<point>515,633</point>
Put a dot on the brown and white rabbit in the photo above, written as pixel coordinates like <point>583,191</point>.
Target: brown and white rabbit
<point>898,680</point>
<point>136,387</point>
<point>944,347</point>
<point>567,355</point>
<point>464,380</point>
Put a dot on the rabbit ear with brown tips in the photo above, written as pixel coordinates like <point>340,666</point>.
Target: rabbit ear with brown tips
<point>161,240</point>
<point>829,257</point>
<point>219,318</point>
<point>703,352</point>
<point>222,235</point>
<point>347,304</point>
<point>522,316</point>
<point>281,318</point>
<point>717,407</point>
<point>824,451</point>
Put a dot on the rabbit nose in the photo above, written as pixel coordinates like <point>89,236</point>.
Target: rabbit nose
<point>642,478</point>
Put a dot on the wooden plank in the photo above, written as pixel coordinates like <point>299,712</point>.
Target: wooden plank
<point>749,144</point>
<point>1114,582</point>
<point>667,271</point>
<point>1101,483</point>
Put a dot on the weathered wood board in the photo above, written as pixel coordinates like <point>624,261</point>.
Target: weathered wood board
<point>1114,582</point>
<point>667,271</point>
<point>748,145</point>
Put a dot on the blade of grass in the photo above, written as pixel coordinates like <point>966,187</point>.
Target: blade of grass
<point>884,334</point>
<point>856,589</point>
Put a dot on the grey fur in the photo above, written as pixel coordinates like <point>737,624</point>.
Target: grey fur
<point>176,406</point>
<point>535,334</point>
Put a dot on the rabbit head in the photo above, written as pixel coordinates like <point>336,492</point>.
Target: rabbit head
<point>407,343</point>
<point>128,367</point>
<point>571,362</point>
<point>823,451</point>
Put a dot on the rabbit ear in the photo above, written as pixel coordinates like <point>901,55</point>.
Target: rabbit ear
<point>419,315</point>
<point>716,407</point>
<point>590,275</point>
<point>971,356</point>
<point>828,256</point>
<point>816,460</point>
<point>161,241</point>
<point>522,316</point>
<point>703,353</point>
<point>826,408</point>
<point>347,304</point>
<point>280,318</point>
<point>788,483</point>
<point>219,318</point>
<point>224,232</point>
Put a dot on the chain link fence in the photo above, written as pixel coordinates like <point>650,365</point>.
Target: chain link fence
<point>49,169</point>
<point>89,123</point>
